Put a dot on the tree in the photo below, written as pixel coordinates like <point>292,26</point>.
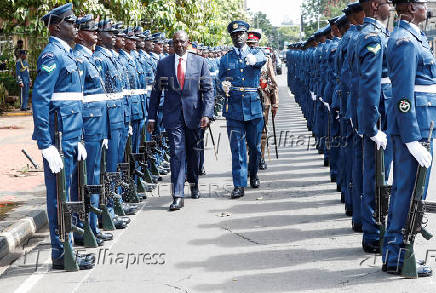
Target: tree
<point>322,10</point>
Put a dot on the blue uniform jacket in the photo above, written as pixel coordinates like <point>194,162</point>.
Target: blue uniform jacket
<point>410,63</point>
<point>371,47</point>
<point>57,76</point>
<point>94,110</point>
<point>22,71</point>
<point>242,105</point>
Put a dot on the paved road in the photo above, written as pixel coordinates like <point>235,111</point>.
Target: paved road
<point>291,235</point>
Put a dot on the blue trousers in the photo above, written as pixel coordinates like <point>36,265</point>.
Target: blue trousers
<point>371,231</point>
<point>70,153</point>
<point>241,133</point>
<point>185,147</point>
<point>24,96</point>
<point>136,137</point>
<point>335,144</point>
<point>357,178</point>
<point>93,160</point>
<point>405,167</point>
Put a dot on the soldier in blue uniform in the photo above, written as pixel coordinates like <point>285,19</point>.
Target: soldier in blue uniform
<point>240,75</point>
<point>23,79</point>
<point>369,108</point>
<point>412,69</point>
<point>58,88</point>
<point>127,58</point>
<point>95,127</point>
<point>113,79</point>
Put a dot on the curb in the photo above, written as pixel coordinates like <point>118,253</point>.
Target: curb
<point>16,114</point>
<point>21,230</point>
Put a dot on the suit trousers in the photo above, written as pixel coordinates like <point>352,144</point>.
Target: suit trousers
<point>185,148</point>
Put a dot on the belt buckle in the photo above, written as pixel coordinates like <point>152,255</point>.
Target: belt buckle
<point>242,89</point>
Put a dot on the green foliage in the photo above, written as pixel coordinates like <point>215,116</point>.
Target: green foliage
<point>324,9</point>
<point>273,36</point>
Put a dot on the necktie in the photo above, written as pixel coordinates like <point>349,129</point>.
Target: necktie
<point>180,74</point>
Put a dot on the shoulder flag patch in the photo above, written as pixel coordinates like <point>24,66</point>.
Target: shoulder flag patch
<point>374,49</point>
<point>404,105</point>
<point>48,69</point>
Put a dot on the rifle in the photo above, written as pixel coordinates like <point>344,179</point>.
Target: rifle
<point>107,222</point>
<point>65,209</point>
<point>128,171</point>
<point>382,193</point>
<point>415,223</point>
<point>35,165</point>
<point>85,197</point>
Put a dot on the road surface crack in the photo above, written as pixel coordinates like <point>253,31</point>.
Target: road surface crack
<point>242,236</point>
<point>177,288</point>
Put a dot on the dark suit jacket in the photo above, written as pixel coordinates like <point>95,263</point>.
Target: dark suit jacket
<point>196,100</point>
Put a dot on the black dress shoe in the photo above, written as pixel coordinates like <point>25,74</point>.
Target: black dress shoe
<point>85,262</point>
<point>348,212</point>
<point>195,193</point>
<point>125,219</point>
<point>202,172</point>
<point>333,179</point>
<point>99,241</point>
<point>371,247</point>
<point>177,204</point>
<point>104,236</point>
<point>254,182</point>
<point>357,227</point>
<point>424,271</point>
<point>237,192</point>
<point>262,164</point>
<point>130,210</point>
<point>119,224</point>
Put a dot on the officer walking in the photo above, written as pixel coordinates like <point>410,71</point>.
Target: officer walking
<point>269,90</point>
<point>239,73</point>
<point>23,79</point>
<point>58,88</point>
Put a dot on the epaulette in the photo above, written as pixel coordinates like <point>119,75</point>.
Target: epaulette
<point>98,59</point>
<point>369,35</point>
<point>78,59</point>
<point>403,40</point>
<point>47,55</point>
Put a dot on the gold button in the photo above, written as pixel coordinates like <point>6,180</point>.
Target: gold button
<point>243,78</point>
<point>242,70</point>
<point>72,111</point>
<point>429,104</point>
<point>92,115</point>
<point>243,95</point>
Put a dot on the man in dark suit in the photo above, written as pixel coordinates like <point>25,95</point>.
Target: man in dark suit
<point>188,105</point>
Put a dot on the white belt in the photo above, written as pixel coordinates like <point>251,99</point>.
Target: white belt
<point>213,73</point>
<point>95,98</point>
<point>149,87</point>
<point>431,89</point>
<point>385,80</point>
<point>137,92</point>
<point>75,96</point>
<point>115,96</point>
<point>127,92</point>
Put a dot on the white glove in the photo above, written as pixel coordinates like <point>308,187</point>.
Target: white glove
<point>105,143</point>
<point>81,152</point>
<point>250,59</point>
<point>420,153</point>
<point>313,96</point>
<point>327,106</point>
<point>130,130</point>
<point>380,139</point>
<point>321,100</point>
<point>226,86</point>
<point>53,158</point>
